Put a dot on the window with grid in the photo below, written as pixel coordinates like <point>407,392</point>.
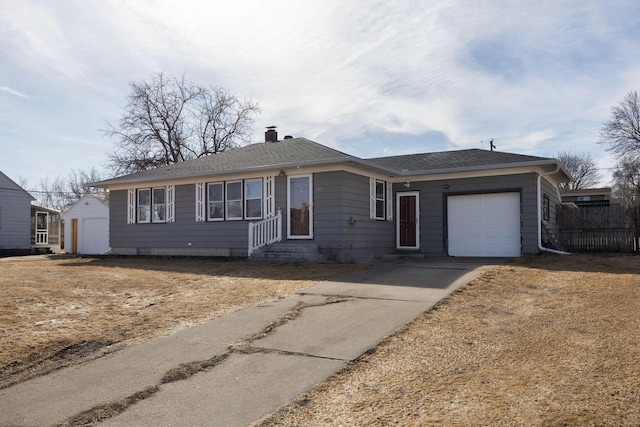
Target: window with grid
<point>216,201</point>
<point>159,204</point>
<point>253,198</point>
<point>144,205</point>
<point>234,200</point>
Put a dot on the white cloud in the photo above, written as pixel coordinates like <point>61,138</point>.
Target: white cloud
<point>13,92</point>
<point>531,75</point>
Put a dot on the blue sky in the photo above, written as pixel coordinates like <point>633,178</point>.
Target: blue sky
<point>371,78</point>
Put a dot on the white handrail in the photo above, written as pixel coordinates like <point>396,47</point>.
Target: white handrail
<point>265,232</point>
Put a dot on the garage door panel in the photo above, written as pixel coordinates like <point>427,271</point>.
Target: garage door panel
<point>484,225</point>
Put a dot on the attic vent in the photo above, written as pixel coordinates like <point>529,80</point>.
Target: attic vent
<point>288,137</point>
<point>271,135</point>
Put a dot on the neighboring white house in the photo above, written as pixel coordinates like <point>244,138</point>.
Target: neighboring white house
<point>87,226</point>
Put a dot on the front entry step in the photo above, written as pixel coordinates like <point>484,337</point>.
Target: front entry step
<point>290,252</point>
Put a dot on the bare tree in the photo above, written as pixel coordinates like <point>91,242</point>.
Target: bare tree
<point>78,183</point>
<point>62,192</point>
<point>169,120</point>
<point>582,168</point>
<point>626,182</point>
<point>621,134</point>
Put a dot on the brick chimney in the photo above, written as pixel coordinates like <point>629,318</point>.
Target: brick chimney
<point>271,135</point>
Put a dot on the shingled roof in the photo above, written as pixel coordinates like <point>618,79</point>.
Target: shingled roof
<point>444,161</point>
<point>299,152</point>
<point>254,157</point>
<point>8,184</point>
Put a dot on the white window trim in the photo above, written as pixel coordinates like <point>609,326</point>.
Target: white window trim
<point>383,200</point>
<point>245,199</point>
<point>310,236</point>
<point>226,200</point>
<point>153,205</point>
<point>170,198</point>
<point>268,197</point>
<point>389,201</point>
<point>131,206</point>
<point>200,202</point>
<point>148,221</point>
<point>221,183</point>
<point>372,198</point>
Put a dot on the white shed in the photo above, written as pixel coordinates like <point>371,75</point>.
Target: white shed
<point>86,228</point>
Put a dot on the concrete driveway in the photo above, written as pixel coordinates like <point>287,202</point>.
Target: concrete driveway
<point>234,370</point>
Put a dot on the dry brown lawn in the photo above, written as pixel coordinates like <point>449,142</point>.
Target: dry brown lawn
<point>539,341</point>
<point>545,341</point>
<point>56,312</point>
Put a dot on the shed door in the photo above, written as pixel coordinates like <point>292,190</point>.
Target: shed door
<point>484,225</point>
<point>74,235</point>
<point>95,236</point>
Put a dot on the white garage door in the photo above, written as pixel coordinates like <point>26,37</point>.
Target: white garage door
<point>95,236</point>
<point>484,225</point>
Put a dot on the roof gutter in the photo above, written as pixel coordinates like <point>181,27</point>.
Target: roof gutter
<point>540,247</point>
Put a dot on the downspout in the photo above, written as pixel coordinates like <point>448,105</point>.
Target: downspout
<point>540,247</point>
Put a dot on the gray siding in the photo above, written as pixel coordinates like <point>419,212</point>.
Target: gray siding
<point>343,228</point>
<point>15,220</point>
<point>433,207</point>
<point>339,198</point>
<point>185,236</point>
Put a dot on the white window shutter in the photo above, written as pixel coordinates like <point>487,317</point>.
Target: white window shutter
<point>269,199</point>
<point>389,201</point>
<point>200,202</point>
<point>171,203</point>
<point>131,206</point>
<point>372,198</point>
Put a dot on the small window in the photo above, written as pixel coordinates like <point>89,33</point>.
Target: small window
<point>546,207</point>
<point>253,198</point>
<point>584,198</point>
<point>381,189</point>
<point>144,205</point>
<point>159,205</point>
<point>234,200</point>
<point>216,201</point>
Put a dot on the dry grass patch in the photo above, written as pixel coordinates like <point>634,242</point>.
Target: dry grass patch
<point>543,341</point>
<point>57,312</point>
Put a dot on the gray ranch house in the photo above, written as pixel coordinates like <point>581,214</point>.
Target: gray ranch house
<point>299,199</point>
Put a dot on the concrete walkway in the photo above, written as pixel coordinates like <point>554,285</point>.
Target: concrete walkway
<point>234,370</point>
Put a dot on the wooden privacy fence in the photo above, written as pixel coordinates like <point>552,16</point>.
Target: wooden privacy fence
<point>610,228</point>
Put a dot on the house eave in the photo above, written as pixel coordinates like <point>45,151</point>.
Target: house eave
<point>442,171</point>
<point>121,183</point>
<point>42,208</point>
